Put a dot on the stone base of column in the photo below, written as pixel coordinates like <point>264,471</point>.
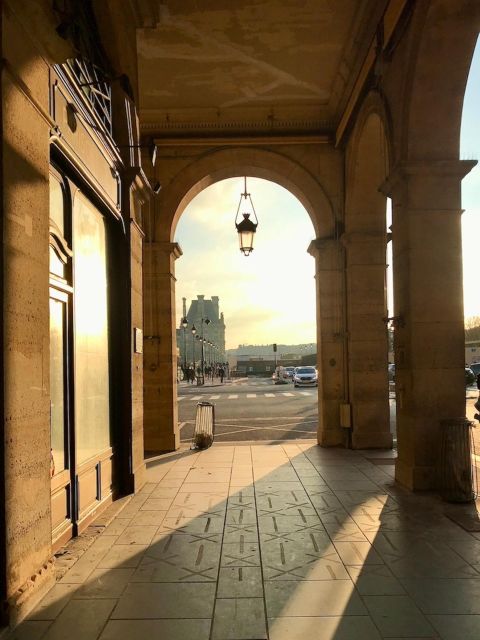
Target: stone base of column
<point>372,440</point>
<point>139,477</point>
<point>20,603</point>
<point>335,437</point>
<point>158,443</point>
<point>416,478</point>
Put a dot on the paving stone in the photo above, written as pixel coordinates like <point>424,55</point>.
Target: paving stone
<point>375,580</point>
<point>309,598</point>
<point>30,630</point>
<point>137,534</point>
<point>81,620</point>
<point>164,629</point>
<point>240,554</point>
<point>398,616</point>
<point>240,582</point>
<point>53,603</point>
<point>105,583</point>
<point>122,556</point>
<point>117,526</point>
<point>443,596</point>
<point>148,518</point>
<point>153,600</point>
<point>239,619</point>
<point>357,553</point>
<point>453,627</point>
<point>323,628</point>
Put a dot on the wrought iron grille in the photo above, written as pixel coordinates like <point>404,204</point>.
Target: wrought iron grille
<point>96,87</point>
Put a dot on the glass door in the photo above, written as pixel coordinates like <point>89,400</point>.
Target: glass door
<point>60,459</point>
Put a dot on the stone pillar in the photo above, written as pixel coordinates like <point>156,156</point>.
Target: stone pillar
<point>429,324</point>
<point>329,267</point>
<point>367,340</point>
<point>161,431</point>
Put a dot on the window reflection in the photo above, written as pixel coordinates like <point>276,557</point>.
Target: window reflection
<point>57,382</point>
<point>92,403</point>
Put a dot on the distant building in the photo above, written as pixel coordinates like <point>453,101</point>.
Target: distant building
<point>214,331</point>
<point>472,351</point>
<point>257,365</point>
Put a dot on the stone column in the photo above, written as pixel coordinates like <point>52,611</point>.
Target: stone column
<point>367,340</point>
<point>329,266</point>
<point>161,431</point>
<point>429,325</point>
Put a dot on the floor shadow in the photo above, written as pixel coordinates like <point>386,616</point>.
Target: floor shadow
<point>288,541</point>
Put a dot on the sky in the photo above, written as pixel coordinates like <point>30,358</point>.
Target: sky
<point>266,297</point>
<point>269,296</point>
<point>470,150</point>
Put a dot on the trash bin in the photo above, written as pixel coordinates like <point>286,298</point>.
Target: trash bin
<point>455,464</point>
<point>204,426</point>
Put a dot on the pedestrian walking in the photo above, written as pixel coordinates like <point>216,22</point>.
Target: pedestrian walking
<point>477,403</point>
<point>221,373</point>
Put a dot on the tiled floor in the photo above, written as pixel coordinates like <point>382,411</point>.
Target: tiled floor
<point>283,542</point>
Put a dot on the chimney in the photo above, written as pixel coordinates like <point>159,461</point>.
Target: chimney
<point>201,308</point>
<point>215,306</point>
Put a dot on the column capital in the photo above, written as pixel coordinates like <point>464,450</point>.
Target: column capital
<point>171,248</point>
<point>328,253</point>
<point>424,169</point>
<point>160,258</point>
<point>321,245</point>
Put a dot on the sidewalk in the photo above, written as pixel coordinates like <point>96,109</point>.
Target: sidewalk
<point>285,542</point>
<point>183,384</point>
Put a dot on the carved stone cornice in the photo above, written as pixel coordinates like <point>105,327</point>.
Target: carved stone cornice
<point>400,174</point>
<point>170,128</point>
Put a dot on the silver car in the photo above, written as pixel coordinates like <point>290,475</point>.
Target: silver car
<point>305,377</point>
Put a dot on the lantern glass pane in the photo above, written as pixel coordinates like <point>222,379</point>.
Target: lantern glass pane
<point>246,240</point>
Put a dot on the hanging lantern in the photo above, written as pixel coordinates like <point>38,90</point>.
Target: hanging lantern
<point>246,228</point>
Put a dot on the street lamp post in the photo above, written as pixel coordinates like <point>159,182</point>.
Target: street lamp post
<point>203,321</point>
<point>184,326</point>
<point>194,331</point>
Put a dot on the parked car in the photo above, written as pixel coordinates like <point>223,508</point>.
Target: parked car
<point>305,377</point>
<point>475,367</point>
<point>470,377</point>
<point>391,372</point>
<point>288,372</point>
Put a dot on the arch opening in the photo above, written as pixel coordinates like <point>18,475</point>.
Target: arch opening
<point>265,299</point>
<point>365,241</point>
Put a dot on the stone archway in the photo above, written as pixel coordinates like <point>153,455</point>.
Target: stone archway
<point>219,164</point>
<point>425,186</point>
<point>365,241</point>
<point>161,430</point>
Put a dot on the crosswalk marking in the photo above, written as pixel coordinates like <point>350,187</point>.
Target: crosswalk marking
<point>235,396</point>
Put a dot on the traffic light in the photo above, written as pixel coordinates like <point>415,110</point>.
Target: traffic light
<point>275,347</point>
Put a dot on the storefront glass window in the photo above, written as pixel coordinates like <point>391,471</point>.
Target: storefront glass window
<point>57,383</point>
<point>92,403</point>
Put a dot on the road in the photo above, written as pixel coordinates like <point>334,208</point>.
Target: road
<point>253,409</point>
<point>256,409</point>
